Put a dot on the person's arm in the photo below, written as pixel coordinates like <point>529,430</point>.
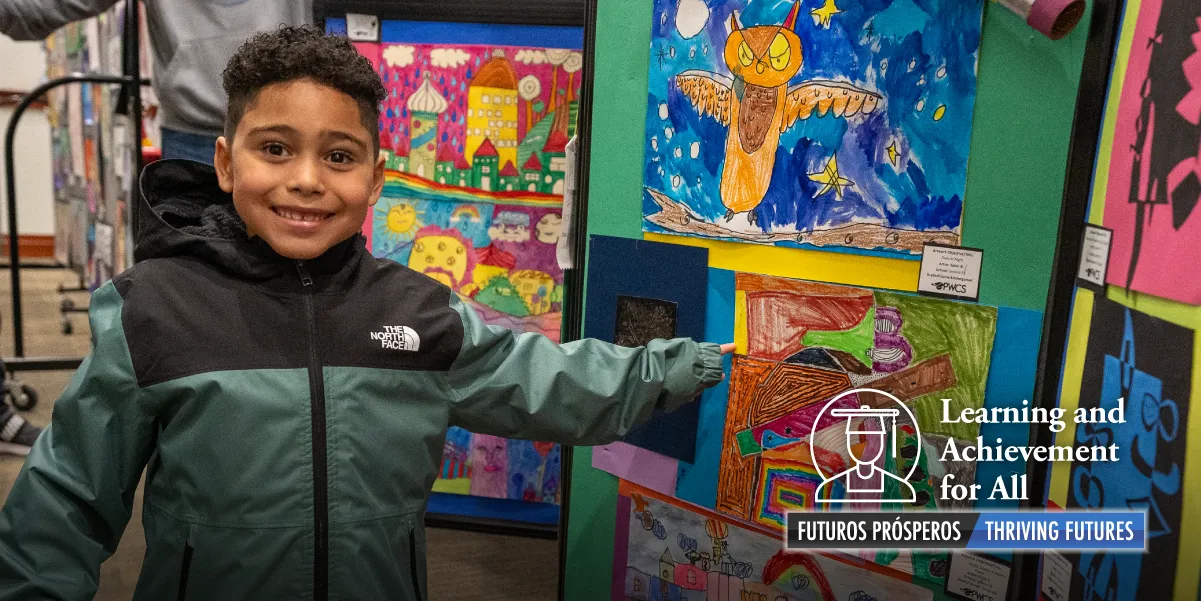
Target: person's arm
<point>73,498</point>
<point>36,19</point>
<point>586,392</point>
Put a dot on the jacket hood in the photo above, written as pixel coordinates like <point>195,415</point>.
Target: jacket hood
<point>184,212</point>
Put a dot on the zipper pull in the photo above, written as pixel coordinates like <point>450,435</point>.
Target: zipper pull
<point>305,279</point>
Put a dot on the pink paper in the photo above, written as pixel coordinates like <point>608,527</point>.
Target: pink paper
<point>1162,249</point>
<point>637,465</point>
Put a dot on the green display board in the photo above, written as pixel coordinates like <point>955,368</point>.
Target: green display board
<point>1026,98</point>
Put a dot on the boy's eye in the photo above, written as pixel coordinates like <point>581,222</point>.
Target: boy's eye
<point>339,156</point>
<point>274,149</point>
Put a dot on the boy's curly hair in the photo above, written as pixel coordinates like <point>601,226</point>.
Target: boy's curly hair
<point>292,53</point>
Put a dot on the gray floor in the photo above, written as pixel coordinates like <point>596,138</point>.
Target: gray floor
<point>462,565</point>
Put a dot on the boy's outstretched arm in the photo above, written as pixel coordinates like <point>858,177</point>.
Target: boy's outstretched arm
<point>73,498</point>
<point>586,392</point>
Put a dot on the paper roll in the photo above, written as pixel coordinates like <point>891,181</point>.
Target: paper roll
<point>1052,18</point>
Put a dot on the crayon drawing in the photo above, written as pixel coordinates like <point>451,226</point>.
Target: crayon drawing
<point>474,138</point>
<point>1147,362</point>
<point>803,343</point>
<point>840,124</point>
<point>666,549</point>
<point>1154,181</point>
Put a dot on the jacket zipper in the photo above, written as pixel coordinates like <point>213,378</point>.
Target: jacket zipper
<point>320,460</point>
<point>414,565</point>
<point>185,567</point>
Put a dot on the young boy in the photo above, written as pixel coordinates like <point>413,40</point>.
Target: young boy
<point>288,393</point>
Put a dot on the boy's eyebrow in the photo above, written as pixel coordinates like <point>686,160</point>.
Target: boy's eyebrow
<point>288,130</point>
<point>278,128</point>
<point>341,135</point>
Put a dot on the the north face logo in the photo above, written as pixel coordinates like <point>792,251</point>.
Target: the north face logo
<point>398,338</point>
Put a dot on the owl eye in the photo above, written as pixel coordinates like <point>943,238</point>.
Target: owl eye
<point>745,56</point>
<point>780,51</point>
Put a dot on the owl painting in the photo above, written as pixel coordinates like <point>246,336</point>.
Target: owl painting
<point>821,124</point>
<point>757,104</point>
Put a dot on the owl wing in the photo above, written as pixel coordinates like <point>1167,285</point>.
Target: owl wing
<point>708,92</point>
<point>825,96</point>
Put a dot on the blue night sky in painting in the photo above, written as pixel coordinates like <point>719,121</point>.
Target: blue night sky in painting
<point>919,55</point>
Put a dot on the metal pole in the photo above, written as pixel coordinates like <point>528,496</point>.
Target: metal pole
<point>10,136</point>
<point>573,305</point>
<point>1086,130</point>
<point>131,68</point>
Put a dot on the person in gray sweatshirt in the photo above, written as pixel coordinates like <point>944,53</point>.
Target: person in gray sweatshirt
<point>191,41</point>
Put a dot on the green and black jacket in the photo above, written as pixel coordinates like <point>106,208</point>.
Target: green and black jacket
<point>289,415</point>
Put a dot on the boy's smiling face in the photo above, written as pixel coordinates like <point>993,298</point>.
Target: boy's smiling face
<point>302,168</point>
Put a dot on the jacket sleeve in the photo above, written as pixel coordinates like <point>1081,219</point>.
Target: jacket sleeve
<point>73,498</point>
<point>36,19</point>
<point>586,392</point>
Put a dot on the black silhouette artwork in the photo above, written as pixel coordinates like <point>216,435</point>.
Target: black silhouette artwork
<point>1164,172</point>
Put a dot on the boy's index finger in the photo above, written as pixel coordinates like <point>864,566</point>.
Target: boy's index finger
<point>727,348</point>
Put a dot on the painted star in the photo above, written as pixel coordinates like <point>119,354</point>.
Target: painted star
<point>661,55</point>
<point>821,16</point>
<point>893,153</point>
<point>831,179</point>
<point>639,503</point>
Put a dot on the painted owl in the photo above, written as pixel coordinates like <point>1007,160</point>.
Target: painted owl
<point>757,104</point>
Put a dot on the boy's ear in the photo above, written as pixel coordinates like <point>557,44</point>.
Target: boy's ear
<point>223,163</point>
<point>377,184</point>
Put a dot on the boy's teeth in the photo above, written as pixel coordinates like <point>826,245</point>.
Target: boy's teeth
<point>299,216</point>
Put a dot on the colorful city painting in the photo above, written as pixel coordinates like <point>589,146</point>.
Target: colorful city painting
<point>474,137</point>
<point>835,124</point>
<point>667,549</point>
<point>1154,160</point>
<point>801,346</point>
<point>1148,362</point>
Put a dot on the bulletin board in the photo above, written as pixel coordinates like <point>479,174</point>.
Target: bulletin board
<point>1132,330</point>
<point>1016,167</point>
<point>474,131</point>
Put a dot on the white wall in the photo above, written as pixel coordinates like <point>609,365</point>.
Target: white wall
<point>24,68</point>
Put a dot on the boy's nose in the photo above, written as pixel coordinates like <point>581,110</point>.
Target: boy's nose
<point>306,179</point>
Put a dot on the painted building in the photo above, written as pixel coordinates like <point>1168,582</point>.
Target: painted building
<point>463,172</point>
<point>691,577</point>
<point>646,587</point>
<point>394,160</point>
<point>510,179</point>
<point>492,107</point>
<point>723,587</point>
<point>444,167</point>
<point>667,566</point>
<point>424,107</point>
<point>690,582</point>
<point>531,174</point>
<point>554,154</point>
<point>638,585</point>
<point>485,167</point>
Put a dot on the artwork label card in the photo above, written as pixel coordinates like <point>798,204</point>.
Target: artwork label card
<point>1094,256</point>
<point>362,28</point>
<point>1057,577</point>
<point>974,577</point>
<point>951,272</point>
